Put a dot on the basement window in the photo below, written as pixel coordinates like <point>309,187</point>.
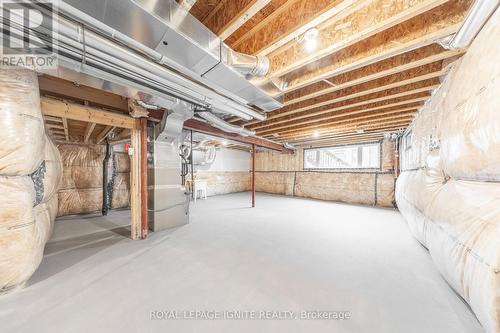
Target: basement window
<point>361,156</point>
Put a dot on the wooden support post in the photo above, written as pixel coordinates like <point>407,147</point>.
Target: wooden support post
<point>144,177</point>
<point>135,181</point>
<point>253,175</point>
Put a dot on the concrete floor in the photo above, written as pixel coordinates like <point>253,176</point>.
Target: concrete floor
<point>288,254</point>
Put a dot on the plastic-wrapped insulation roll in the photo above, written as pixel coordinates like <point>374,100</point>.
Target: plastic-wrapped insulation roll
<point>22,136</point>
<point>30,173</point>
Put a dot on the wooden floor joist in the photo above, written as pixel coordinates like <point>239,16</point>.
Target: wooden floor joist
<point>329,128</point>
<point>88,132</point>
<point>339,118</point>
<point>291,117</point>
<point>349,30</point>
<point>351,133</point>
<point>396,84</point>
<point>420,31</point>
<point>283,21</point>
<point>412,60</point>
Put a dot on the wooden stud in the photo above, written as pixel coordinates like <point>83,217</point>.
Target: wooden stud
<point>135,181</point>
<point>144,177</point>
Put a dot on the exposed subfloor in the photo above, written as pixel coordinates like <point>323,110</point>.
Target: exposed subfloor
<point>287,254</point>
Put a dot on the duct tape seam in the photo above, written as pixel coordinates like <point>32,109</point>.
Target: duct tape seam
<point>37,177</point>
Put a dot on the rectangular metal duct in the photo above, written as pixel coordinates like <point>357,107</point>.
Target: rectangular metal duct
<point>165,27</point>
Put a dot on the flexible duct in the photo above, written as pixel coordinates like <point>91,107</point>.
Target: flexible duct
<point>204,155</point>
<point>247,64</point>
<point>225,126</point>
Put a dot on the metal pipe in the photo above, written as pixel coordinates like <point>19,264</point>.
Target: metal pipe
<point>105,192</point>
<point>192,167</point>
<point>225,126</point>
<point>253,175</point>
<point>478,15</point>
<point>119,61</point>
<point>101,27</point>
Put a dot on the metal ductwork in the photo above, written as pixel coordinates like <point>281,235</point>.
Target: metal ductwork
<point>175,38</point>
<point>89,55</point>
<point>204,155</point>
<point>225,126</point>
<point>246,64</point>
<point>477,17</point>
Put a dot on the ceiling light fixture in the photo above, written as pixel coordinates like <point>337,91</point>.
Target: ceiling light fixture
<point>224,142</point>
<point>315,134</point>
<point>311,39</point>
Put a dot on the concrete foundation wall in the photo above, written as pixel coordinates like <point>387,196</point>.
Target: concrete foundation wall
<point>230,172</point>
<point>284,174</point>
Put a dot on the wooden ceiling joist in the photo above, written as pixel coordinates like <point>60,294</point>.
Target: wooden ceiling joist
<point>53,119</point>
<point>245,13</point>
<point>347,137</point>
<point>424,87</point>
<point>391,85</point>
<point>415,98</point>
<point>428,56</point>
<point>66,128</point>
<point>56,87</point>
<point>325,124</point>
<point>331,14</point>
<point>327,127</point>
<point>420,31</point>
<point>394,125</point>
<point>348,31</point>
<point>88,132</point>
<point>286,19</point>
<point>371,87</point>
<point>104,134</point>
